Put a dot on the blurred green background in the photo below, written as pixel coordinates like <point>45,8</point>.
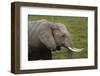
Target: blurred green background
<point>78,29</point>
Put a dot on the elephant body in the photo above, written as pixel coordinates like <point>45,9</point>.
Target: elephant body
<point>39,53</point>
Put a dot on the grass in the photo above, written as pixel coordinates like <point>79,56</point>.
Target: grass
<point>78,29</point>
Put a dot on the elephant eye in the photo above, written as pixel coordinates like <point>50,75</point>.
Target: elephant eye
<point>63,35</point>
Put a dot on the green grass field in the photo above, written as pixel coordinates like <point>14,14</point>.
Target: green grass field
<point>78,29</point>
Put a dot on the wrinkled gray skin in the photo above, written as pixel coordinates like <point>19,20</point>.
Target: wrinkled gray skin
<point>44,37</point>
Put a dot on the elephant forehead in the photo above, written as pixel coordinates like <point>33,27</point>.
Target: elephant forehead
<point>63,29</point>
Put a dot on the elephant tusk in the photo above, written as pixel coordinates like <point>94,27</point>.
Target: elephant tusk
<point>75,49</point>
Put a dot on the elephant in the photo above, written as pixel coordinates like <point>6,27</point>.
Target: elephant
<point>45,36</point>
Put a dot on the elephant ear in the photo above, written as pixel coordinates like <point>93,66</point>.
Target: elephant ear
<point>46,36</point>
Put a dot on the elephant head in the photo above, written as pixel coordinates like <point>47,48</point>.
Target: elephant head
<point>56,35</point>
<point>63,37</point>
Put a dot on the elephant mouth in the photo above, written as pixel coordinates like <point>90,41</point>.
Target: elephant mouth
<point>58,48</point>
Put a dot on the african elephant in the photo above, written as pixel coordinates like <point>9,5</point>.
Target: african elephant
<point>45,36</point>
